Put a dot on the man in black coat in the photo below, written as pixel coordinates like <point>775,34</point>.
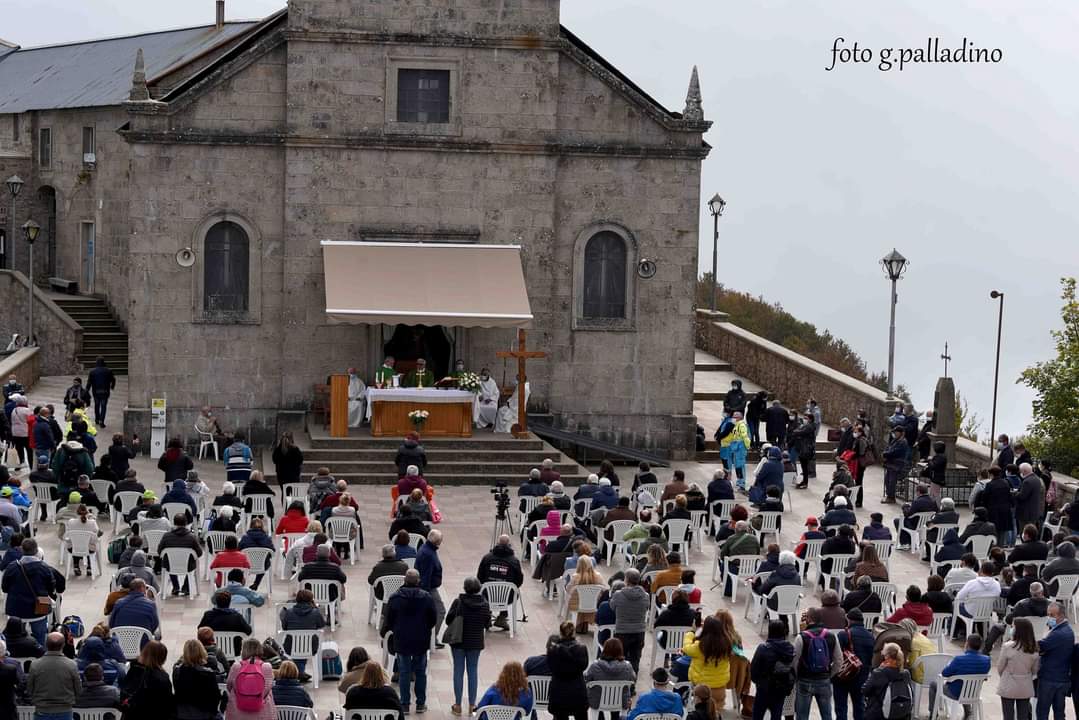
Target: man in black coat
<point>923,502</point>
<point>410,614</point>
<point>222,618</point>
<point>775,424</point>
<point>1031,548</point>
<point>1006,456</point>
<point>1030,499</point>
<point>895,463</point>
<point>102,382</point>
<point>77,392</point>
<point>500,565</point>
<point>979,525</point>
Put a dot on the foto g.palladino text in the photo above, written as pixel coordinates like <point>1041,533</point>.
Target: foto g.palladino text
<point>934,51</point>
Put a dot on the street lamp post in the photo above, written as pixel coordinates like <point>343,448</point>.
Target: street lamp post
<point>894,266</point>
<point>996,295</point>
<point>14,185</point>
<point>30,229</point>
<point>715,206</point>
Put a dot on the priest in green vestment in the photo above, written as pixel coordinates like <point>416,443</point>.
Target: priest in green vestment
<point>458,370</point>
<point>421,376</point>
<point>384,375</point>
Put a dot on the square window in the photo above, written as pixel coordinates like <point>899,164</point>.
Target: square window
<point>423,96</point>
<point>44,148</point>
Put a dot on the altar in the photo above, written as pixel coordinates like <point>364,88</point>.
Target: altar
<point>450,411</point>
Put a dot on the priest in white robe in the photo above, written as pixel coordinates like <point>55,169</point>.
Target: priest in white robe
<point>357,398</point>
<point>507,415</point>
<point>485,409</point>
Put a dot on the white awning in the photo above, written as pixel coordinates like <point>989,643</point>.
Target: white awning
<point>425,284</point>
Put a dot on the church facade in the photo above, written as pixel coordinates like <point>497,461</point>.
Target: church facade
<point>454,121</point>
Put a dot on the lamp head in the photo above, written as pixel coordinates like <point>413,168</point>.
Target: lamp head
<point>31,230</point>
<point>894,265</point>
<point>14,185</point>
<point>716,205</point>
<point>996,294</point>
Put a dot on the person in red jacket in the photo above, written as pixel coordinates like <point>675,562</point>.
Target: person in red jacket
<point>914,608</point>
<point>294,520</point>
<point>231,557</point>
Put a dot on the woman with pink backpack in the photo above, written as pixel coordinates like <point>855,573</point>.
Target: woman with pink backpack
<point>250,686</point>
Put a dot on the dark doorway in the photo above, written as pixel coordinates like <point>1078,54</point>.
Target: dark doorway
<point>47,197</point>
<point>431,342</point>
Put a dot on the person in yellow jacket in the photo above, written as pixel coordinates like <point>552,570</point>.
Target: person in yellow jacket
<point>709,651</point>
<point>919,645</point>
<point>79,413</point>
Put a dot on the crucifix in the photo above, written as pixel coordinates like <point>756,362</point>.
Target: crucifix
<point>945,357</point>
<point>523,354</point>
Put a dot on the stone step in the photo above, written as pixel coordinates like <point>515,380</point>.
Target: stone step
<point>462,467</point>
<point>99,325</point>
<point>712,367</point>
<point>434,454</point>
<point>437,479</point>
<point>392,443</point>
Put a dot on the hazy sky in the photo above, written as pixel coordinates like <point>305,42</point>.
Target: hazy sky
<point>971,171</point>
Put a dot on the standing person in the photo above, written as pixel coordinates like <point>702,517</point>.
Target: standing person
<point>817,658</point>
<point>76,393</point>
<point>250,685</point>
<point>429,566</point>
<point>1018,666</point>
<point>53,683</point>
<point>739,447</point>
<point>568,660</point>
<point>25,581</point>
<point>102,382</point>
<point>630,605</point>
<point>710,653</point>
<point>772,671</point>
<point>1054,670</point>
<point>775,424</point>
<point>287,461</point>
<point>997,499</point>
<point>895,463</point>
<point>174,462</point>
<point>804,441</point>
<point>754,415</point>
<point>475,616</point>
<point>20,431</point>
<point>195,685</point>
<point>859,640</point>
<point>735,400</point>
<point>1030,500</point>
<point>889,671</point>
<point>147,689</point>
<point>410,614</point>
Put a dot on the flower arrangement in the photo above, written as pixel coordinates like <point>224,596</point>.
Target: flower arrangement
<point>418,417</point>
<point>469,381</point>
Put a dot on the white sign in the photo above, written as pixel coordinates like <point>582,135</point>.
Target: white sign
<point>158,424</point>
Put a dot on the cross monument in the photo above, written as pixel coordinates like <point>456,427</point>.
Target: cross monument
<point>523,354</point>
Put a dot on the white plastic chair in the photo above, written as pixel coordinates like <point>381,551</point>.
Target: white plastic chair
<point>886,592</point>
<point>42,497</point>
<point>812,557</point>
<point>174,563</point>
<point>979,546</point>
<point>980,609</point>
<point>172,509</point>
<point>678,536</point>
<point>304,645</point>
<point>884,551</point>
<point>502,596</point>
<point>102,487</point>
<point>744,567</point>
<point>291,712</point>
<point>81,541</point>
<point>653,489</point>
<point>416,540</point>
<point>587,600</point>
<point>611,694</point>
<point>931,665</point>
<point>328,594</point>
<point>870,620</point>
<point>371,715</point>
<point>942,530</point>
<point>95,714</point>
<point>838,571</point>
<point>723,516</point>
<point>295,491</point>
<point>582,508</point>
<point>699,520</point>
<point>787,600</point>
<point>24,712</point>
<point>130,638</point>
<point>661,716</point>
<point>970,693</point>
<point>500,712</point>
<point>151,539</point>
<point>530,503</point>
<point>1067,586</point>
<point>540,687</point>
<point>769,524</point>
<point>284,542</point>
<point>389,584</point>
<point>128,499</point>
<point>215,543</point>
<point>261,506</point>
<point>346,531</point>
<point>230,643</point>
<point>261,560</point>
<point>206,440</point>
<point>917,532</point>
<point>617,544</point>
<point>671,644</point>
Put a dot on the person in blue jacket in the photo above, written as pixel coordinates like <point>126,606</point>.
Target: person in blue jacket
<point>511,689</point>
<point>770,473</point>
<point>659,699</point>
<point>971,662</point>
<point>1055,668</point>
<point>857,638</point>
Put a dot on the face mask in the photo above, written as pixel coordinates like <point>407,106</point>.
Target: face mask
<point>1051,623</point>
<point>485,377</point>
<point>1000,446</point>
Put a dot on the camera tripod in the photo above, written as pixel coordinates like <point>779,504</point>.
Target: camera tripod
<point>503,525</point>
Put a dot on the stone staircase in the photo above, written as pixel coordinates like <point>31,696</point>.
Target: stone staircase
<point>483,459</point>
<point>102,334</point>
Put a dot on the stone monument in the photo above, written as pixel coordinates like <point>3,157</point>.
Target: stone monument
<point>944,416</point>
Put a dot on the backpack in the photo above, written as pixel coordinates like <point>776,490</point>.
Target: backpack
<point>898,698</point>
<point>74,625</point>
<point>250,687</point>
<point>783,680</point>
<point>70,470</point>
<point>116,549</point>
<point>816,655</point>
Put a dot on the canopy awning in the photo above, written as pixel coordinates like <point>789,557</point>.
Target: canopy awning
<point>425,284</point>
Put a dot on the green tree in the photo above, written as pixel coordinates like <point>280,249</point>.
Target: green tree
<point>1056,407</point>
<point>967,423</point>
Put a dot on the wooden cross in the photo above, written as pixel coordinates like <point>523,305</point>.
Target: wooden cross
<point>945,357</point>
<point>523,354</point>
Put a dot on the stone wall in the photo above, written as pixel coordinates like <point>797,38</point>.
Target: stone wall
<point>24,364</point>
<point>788,376</point>
<point>59,335</point>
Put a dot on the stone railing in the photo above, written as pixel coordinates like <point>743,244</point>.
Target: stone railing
<point>59,336</point>
<point>24,364</point>
<point>793,379</point>
<point>787,376</point>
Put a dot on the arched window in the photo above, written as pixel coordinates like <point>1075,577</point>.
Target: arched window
<point>226,273</point>
<point>605,276</point>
